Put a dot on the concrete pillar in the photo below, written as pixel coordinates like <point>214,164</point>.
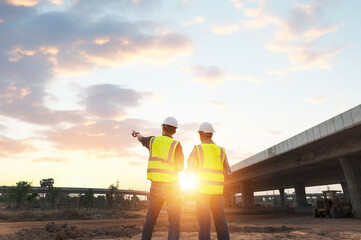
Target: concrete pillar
<point>226,195</point>
<point>352,168</point>
<point>346,195</point>
<point>300,194</point>
<point>247,194</point>
<point>77,201</point>
<point>282,197</point>
<point>233,200</point>
<point>134,202</point>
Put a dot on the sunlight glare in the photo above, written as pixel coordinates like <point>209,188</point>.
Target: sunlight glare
<point>187,182</point>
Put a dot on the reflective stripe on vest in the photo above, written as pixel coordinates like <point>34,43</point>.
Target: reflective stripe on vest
<point>161,164</point>
<point>210,171</point>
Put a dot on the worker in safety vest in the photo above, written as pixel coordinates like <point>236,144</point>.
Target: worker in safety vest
<point>209,162</point>
<point>166,159</point>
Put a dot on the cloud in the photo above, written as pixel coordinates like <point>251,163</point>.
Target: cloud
<point>216,104</point>
<point>10,146</point>
<point>49,159</point>
<point>24,3</point>
<point>57,2</point>
<point>22,91</point>
<point>272,133</point>
<point>99,8</point>
<point>199,19</point>
<point>124,51</point>
<point>225,29</point>
<point>316,99</point>
<point>24,101</point>
<point>14,92</point>
<point>252,79</point>
<point>3,127</point>
<point>101,40</point>
<point>258,17</point>
<point>298,36</point>
<point>109,137</point>
<point>237,3</point>
<point>188,1</point>
<point>39,44</point>
<point>110,101</point>
<point>17,52</point>
<point>277,72</point>
<point>209,75</point>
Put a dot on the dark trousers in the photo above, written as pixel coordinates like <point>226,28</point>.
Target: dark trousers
<point>160,193</point>
<point>205,204</point>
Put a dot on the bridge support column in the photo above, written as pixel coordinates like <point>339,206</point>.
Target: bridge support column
<point>282,197</point>
<point>346,195</point>
<point>300,194</point>
<point>226,197</point>
<point>247,195</point>
<point>352,168</point>
<point>134,200</point>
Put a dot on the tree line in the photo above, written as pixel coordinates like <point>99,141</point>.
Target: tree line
<point>20,197</point>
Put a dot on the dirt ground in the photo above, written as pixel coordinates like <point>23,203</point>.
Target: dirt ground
<point>241,226</point>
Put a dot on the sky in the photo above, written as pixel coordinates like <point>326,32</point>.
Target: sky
<point>76,76</point>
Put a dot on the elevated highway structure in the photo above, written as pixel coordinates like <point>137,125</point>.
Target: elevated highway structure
<point>72,190</point>
<point>328,153</point>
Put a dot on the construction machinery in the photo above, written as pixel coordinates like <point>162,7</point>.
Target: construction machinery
<point>333,205</point>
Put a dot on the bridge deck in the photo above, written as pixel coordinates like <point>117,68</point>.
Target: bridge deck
<point>341,122</point>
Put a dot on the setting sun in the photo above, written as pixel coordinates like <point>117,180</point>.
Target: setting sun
<point>187,182</point>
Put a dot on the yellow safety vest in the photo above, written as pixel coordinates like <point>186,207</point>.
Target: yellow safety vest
<point>161,164</point>
<point>210,170</point>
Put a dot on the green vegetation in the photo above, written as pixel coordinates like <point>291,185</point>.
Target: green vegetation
<point>30,198</point>
<point>53,195</point>
<point>20,192</point>
<point>22,203</point>
<point>89,199</point>
<point>18,195</point>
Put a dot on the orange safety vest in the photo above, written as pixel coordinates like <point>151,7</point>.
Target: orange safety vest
<point>210,171</point>
<point>161,164</point>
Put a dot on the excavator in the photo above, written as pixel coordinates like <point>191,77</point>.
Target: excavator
<point>333,205</point>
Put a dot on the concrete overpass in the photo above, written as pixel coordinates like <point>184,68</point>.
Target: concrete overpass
<point>328,153</point>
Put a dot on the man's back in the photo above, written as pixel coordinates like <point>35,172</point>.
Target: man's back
<point>210,171</point>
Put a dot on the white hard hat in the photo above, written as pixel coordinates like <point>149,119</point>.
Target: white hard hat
<point>206,127</point>
<point>171,121</point>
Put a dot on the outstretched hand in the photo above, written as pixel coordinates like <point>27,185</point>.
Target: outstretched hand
<point>135,133</point>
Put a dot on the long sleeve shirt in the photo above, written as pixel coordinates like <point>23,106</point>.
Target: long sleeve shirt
<point>193,163</point>
<point>178,154</point>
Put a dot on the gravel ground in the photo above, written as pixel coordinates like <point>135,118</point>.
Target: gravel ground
<point>241,226</point>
